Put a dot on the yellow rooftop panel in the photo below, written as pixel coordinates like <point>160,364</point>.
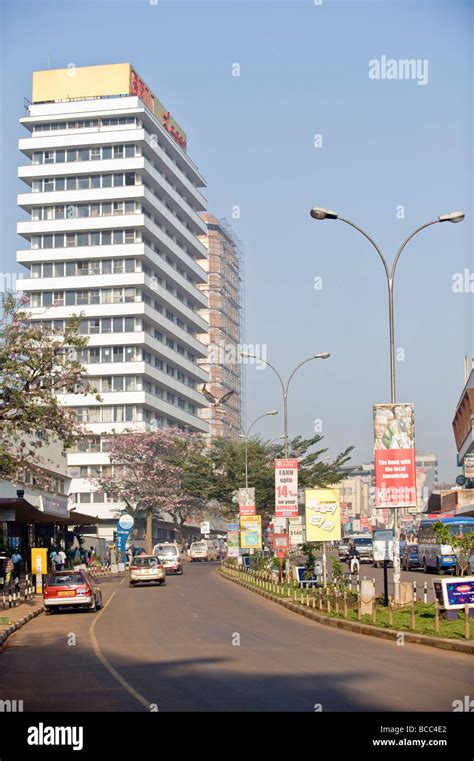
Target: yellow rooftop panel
<point>77,82</point>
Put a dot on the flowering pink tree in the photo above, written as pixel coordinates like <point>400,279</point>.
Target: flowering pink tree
<point>159,471</point>
<point>36,363</point>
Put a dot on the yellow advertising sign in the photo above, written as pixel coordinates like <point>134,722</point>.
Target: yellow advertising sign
<point>39,565</point>
<point>323,515</point>
<point>251,531</point>
<point>82,82</point>
<point>79,82</point>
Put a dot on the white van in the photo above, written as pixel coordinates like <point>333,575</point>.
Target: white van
<point>170,556</point>
<point>204,550</point>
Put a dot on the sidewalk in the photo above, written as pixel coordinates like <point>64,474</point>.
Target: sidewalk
<point>15,617</point>
<point>12,619</point>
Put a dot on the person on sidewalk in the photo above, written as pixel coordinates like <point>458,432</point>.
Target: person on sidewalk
<point>53,559</point>
<point>60,560</point>
<point>16,560</point>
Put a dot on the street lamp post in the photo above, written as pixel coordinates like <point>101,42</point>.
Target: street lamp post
<point>246,437</point>
<point>285,386</point>
<point>456,216</point>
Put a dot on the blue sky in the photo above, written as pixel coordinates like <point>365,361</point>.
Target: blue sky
<point>385,143</point>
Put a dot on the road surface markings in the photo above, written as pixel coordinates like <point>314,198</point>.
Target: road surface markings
<point>123,682</point>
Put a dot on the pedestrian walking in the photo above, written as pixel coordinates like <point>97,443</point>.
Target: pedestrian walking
<point>60,560</point>
<point>16,560</point>
<point>53,558</point>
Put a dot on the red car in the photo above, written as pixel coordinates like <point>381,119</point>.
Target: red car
<point>71,588</point>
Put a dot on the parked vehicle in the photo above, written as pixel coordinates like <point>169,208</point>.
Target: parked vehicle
<point>71,588</point>
<point>438,557</point>
<point>146,569</point>
<point>203,550</point>
<point>169,555</point>
<point>410,557</point>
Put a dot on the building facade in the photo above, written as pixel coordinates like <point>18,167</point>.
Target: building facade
<point>112,233</point>
<point>223,314</point>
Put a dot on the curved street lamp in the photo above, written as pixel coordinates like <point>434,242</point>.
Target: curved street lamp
<point>454,216</point>
<point>284,386</point>
<point>245,436</point>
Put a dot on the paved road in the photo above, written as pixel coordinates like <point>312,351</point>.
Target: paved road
<point>176,648</point>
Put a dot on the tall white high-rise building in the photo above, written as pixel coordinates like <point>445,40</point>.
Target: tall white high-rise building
<point>112,232</point>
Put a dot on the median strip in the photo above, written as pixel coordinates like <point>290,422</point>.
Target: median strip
<point>308,602</point>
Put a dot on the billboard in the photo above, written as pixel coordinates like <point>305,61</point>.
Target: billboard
<point>454,594</point>
<point>323,515</point>
<point>247,504</point>
<point>286,488</point>
<point>251,531</point>
<point>394,455</point>
<point>83,82</point>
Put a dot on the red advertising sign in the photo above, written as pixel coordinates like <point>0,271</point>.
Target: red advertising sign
<point>281,543</point>
<point>247,504</point>
<point>286,488</point>
<point>395,455</point>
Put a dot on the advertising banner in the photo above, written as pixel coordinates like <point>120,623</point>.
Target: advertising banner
<point>323,515</point>
<point>395,455</point>
<point>251,531</point>
<point>286,488</point>
<point>233,540</point>
<point>454,594</point>
<point>280,544</point>
<point>247,504</point>
<point>205,527</point>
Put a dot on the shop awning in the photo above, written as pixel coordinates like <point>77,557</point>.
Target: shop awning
<point>28,513</point>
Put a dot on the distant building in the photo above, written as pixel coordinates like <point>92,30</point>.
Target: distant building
<point>223,289</point>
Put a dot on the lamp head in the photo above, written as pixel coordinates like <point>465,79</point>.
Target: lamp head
<point>318,213</point>
<point>322,355</point>
<point>453,216</point>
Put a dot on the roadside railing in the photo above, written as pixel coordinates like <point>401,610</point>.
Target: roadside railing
<point>342,598</point>
<point>12,594</point>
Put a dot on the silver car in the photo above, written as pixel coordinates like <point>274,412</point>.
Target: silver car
<point>146,569</point>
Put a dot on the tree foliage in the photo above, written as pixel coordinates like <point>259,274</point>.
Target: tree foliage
<point>157,472</point>
<point>228,468</point>
<point>36,363</point>
<point>463,546</point>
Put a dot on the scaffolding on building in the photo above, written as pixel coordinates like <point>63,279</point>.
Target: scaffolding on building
<point>225,314</point>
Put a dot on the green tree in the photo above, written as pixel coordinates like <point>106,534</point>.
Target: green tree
<point>228,468</point>
<point>36,364</point>
<point>158,472</point>
<point>463,546</point>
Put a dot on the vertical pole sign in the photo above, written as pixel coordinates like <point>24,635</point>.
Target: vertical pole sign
<point>395,455</point>
<point>247,504</point>
<point>233,540</point>
<point>286,488</point>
